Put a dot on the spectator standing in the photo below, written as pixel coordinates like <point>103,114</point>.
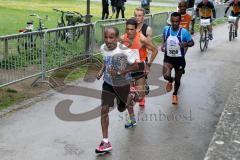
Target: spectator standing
<point>120,7</point>
<point>113,5</point>
<point>105,10</point>
<point>146,5</point>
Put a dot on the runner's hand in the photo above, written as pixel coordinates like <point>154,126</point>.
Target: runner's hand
<point>163,48</point>
<point>99,75</point>
<point>183,44</point>
<point>113,72</point>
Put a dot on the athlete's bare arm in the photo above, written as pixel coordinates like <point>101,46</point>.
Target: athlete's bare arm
<point>100,73</point>
<point>149,45</point>
<point>163,43</point>
<point>149,33</point>
<point>131,68</point>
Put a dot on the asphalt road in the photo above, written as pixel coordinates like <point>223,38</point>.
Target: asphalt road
<point>47,130</point>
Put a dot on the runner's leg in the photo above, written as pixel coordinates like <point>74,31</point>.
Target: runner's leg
<point>167,69</point>
<point>177,81</point>
<point>140,85</point>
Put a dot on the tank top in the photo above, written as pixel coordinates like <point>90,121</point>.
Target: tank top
<point>135,44</point>
<point>172,44</point>
<point>185,21</point>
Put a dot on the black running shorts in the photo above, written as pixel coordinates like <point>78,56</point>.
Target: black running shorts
<point>178,63</point>
<point>109,93</point>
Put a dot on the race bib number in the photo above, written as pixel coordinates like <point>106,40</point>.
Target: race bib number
<point>173,50</point>
<point>205,22</point>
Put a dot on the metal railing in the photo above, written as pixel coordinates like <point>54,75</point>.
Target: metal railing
<point>220,10</point>
<point>101,24</point>
<point>158,23</point>
<point>20,56</point>
<point>26,55</point>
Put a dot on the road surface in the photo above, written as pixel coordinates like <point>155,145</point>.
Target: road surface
<point>164,131</point>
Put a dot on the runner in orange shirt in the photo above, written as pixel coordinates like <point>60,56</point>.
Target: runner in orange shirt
<point>136,41</point>
<point>185,18</point>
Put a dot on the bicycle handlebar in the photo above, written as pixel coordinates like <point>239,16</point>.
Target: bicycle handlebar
<point>36,15</point>
<point>68,12</point>
<point>57,10</point>
<point>33,14</point>
<point>77,13</point>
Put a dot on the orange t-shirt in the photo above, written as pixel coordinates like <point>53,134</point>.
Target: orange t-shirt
<point>236,8</point>
<point>185,21</point>
<point>135,44</point>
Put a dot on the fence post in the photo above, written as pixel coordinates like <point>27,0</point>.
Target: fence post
<point>5,48</point>
<point>88,21</point>
<point>44,62</point>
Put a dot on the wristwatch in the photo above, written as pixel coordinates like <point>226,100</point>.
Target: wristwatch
<point>118,73</point>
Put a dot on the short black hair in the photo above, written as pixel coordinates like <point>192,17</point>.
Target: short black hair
<point>132,21</point>
<point>182,1</point>
<point>113,28</point>
<point>176,14</point>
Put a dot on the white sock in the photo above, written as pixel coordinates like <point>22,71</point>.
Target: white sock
<point>105,140</point>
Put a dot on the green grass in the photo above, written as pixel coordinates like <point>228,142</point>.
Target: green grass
<point>77,73</point>
<point>9,97</point>
<point>163,1</point>
<point>157,40</point>
<point>15,13</point>
<point>219,21</point>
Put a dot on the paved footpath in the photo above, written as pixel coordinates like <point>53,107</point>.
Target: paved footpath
<point>66,126</point>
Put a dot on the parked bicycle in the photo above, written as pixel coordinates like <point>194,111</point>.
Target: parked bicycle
<point>204,35</point>
<point>72,19</point>
<point>28,43</point>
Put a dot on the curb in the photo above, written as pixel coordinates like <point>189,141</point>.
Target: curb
<point>225,144</point>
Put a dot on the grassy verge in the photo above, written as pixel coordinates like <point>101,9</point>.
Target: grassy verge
<point>9,97</point>
<point>15,13</point>
<point>77,73</point>
<point>157,40</point>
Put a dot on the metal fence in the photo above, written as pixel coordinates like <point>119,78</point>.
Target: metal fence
<point>158,23</point>
<point>26,55</point>
<point>20,56</point>
<point>220,10</point>
<point>101,24</point>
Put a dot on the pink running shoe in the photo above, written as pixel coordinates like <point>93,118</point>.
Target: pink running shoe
<point>104,147</point>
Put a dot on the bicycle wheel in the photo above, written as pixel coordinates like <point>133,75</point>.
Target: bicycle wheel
<point>206,38</point>
<point>230,32</point>
<point>202,41</point>
<point>233,31</point>
<point>20,45</point>
<point>77,33</point>
<point>61,34</point>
